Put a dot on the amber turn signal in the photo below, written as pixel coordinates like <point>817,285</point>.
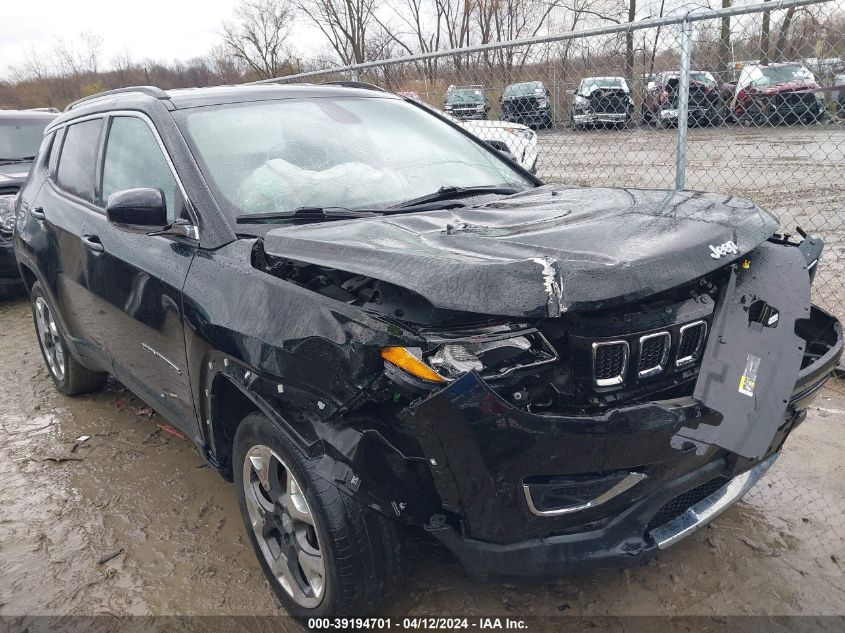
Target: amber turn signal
<point>402,358</point>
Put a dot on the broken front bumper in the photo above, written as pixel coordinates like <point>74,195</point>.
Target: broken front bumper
<point>10,276</point>
<point>599,117</point>
<point>537,495</point>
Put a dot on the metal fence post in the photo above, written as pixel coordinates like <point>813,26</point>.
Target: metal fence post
<point>683,104</point>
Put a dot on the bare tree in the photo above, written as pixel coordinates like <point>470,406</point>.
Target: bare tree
<point>725,61</point>
<point>227,67</point>
<point>629,43</point>
<point>764,36</point>
<point>78,59</point>
<point>259,35</point>
<point>345,24</point>
<point>781,44</point>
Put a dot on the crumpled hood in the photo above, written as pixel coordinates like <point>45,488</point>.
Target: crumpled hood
<point>540,252</point>
<point>494,125</point>
<point>792,86</point>
<point>14,174</point>
<point>603,90</point>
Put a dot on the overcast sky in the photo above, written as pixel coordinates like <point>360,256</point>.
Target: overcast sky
<point>159,29</point>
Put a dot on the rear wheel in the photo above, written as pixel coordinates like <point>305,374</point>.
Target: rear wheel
<point>69,376</point>
<point>322,552</point>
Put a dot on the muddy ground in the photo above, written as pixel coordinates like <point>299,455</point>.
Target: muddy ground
<point>143,496</point>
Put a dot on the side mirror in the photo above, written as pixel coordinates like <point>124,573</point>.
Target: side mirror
<point>137,210</point>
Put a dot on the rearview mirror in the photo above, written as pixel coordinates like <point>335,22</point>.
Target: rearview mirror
<point>137,210</point>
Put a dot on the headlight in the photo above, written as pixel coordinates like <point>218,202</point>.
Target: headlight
<point>543,103</point>
<point>447,107</point>
<point>480,108</point>
<point>7,213</point>
<point>491,355</point>
<point>521,132</point>
<point>581,101</point>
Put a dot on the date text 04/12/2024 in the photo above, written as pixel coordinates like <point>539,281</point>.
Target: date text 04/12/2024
<point>418,623</point>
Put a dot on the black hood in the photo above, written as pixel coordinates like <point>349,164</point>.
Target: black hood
<point>540,252</point>
<point>13,174</point>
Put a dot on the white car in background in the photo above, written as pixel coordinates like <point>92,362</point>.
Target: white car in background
<point>518,140</point>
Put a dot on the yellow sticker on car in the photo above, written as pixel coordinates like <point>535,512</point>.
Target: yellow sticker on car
<point>748,380</point>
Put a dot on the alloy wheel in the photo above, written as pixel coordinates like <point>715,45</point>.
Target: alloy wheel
<point>284,526</point>
<point>51,341</point>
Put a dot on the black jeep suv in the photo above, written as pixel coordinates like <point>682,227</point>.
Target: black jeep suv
<point>21,132</point>
<point>365,317</point>
<point>527,103</point>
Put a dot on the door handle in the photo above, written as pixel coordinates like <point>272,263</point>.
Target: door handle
<point>92,242</point>
<point>37,213</point>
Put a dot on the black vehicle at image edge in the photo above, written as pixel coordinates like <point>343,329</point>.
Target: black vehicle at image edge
<point>364,318</point>
<point>20,135</point>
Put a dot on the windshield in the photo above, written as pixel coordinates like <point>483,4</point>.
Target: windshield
<point>20,138</point>
<point>522,90</point>
<point>602,82</point>
<point>464,95</point>
<point>703,78</point>
<point>278,156</point>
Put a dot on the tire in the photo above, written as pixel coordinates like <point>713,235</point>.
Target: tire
<point>69,376</point>
<point>646,115</point>
<point>359,550</point>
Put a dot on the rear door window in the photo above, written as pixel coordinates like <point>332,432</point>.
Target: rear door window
<point>78,162</point>
<point>134,159</point>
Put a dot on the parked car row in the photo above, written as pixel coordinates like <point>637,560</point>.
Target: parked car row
<point>526,103</point>
<point>763,94</point>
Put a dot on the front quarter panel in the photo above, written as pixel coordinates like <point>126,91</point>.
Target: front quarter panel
<point>275,329</point>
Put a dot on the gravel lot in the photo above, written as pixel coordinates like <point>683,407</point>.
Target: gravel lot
<point>137,492</point>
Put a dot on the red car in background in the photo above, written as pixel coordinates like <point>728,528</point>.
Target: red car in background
<point>660,101</point>
<point>777,93</point>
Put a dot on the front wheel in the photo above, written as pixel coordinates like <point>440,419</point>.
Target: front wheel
<point>323,553</point>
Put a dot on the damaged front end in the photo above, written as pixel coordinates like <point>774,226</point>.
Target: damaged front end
<point>574,428</point>
<point>603,106</point>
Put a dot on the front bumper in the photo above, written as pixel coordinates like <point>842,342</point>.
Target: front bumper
<point>468,115</point>
<point>484,453</point>
<point>627,540</point>
<point>534,117</point>
<point>599,117</point>
<point>10,277</point>
<point>694,113</point>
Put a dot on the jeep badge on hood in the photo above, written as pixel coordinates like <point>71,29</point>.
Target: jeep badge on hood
<point>723,249</point>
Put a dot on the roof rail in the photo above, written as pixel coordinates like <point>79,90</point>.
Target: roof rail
<point>150,91</point>
<point>355,84</point>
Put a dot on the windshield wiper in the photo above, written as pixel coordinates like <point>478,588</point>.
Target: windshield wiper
<point>19,159</point>
<point>447,193</point>
<point>305,213</point>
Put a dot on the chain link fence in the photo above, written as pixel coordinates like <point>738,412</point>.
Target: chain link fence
<point>747,100</point>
